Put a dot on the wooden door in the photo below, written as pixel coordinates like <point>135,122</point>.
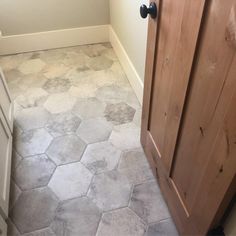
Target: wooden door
<point>189,109</point>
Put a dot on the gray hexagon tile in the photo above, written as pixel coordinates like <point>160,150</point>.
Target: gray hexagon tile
<point>32,97</point>
<point>15,160</point>
<point>119,113</point>
<point>14,194</point>
<point>101,157</point>
<point>66,149</point>
<point>33,142</point>
<point>89,108</point>
<point>11,228</point>
<point>134,166</point>
<point>31,66</point>
<point>43,232</point>
<point>29,218</point>
<point>57,85</point>
<point>70,181</point>
<point>63,123</point>
<point>59,103</point>
<point>138,117</point>
<point>93,50</point>
<point>94,130</point>
<point>83,90</point>
<point>77,217</point>
<point>100,63</point>
<point>121,222</point>
<point>34,172</point>
<point>126,136</point>
<point>111,94</point>
<point>110,190</point>
<point>32,118</point>
<point>148,203</point>
<point>162,228</point>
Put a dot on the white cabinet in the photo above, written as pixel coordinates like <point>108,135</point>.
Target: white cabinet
<point>3,227</point>
<point>6,129</point>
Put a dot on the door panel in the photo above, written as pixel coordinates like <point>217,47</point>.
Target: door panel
<point>5,101</point>
<point>211,90</point>
<point>5,164</point>
<point>175,51</point>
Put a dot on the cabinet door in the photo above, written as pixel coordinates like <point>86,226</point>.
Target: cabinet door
<point>3,227</point>
<point>5,101</point>
<point>5,164</point>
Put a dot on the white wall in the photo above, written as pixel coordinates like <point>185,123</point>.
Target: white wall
<point>131,30</point>
<point>29,16</point>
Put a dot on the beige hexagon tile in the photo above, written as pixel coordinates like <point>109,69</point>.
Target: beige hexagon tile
<point>58,103</point>
<point>55,70</point>
<point>126,136</point>
<point>31,66</point>
<point>83,91</point>
<point>32,97</point>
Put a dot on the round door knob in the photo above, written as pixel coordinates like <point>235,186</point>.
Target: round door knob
<point>151,10</point>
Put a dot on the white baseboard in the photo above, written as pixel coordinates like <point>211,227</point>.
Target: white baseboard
<point>132,75</point>
<point>53,39</point>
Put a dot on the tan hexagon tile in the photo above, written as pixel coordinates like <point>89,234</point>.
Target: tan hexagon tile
<point>60,102</point>
<point>31,66</point>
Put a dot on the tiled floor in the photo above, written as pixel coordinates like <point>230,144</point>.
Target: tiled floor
<point>78,167</point>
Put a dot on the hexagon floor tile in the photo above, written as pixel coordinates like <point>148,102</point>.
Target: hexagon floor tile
<point>134,166</point>
<point>79,216</point>
<point>63,123</point>
<point>126,136</point>
<point>101,157</point>
<point>32,118</point>
<point>31,66</point>
<point>70,181</point>
<point>119,113</point>
<point>100,63</point>
<point>34,210</point>
<point>57,85</point>
<point>121,222</point>
<point>89,108</point>
<point>94,130</point>
<point>33,142</point>
<point>162,228</point>
<point>59,102</point>
<point>110,190</point>
<point>147,202</point>
<point>34,172</point>
<point>66,149</point>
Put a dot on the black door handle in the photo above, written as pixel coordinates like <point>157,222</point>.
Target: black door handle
<point>151,10</point>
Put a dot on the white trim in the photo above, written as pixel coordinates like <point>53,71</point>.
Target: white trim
<point>53,39</point>
<point>133,77</point>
